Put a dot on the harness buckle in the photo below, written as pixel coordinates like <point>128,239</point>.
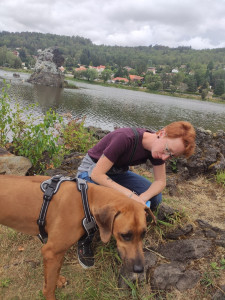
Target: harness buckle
<point>81,182</point>
<point>89,227</point>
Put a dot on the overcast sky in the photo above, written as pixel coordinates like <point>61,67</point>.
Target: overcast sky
<point>196,23</point>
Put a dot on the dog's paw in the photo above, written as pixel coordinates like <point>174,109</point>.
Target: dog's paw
<point>61,282</point>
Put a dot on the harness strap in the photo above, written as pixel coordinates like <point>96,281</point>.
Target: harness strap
<point>48,194</point>
<point>88,221</point>
<point>50,187</point>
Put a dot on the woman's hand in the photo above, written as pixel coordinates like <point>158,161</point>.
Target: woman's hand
<point>137,198</point>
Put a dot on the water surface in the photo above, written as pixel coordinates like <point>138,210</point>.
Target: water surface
<point>109,107</point>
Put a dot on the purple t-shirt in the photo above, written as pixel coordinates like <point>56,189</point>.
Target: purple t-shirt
<point>117,146</point>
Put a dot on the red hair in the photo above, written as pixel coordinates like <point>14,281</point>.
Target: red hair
<point>184,130</point>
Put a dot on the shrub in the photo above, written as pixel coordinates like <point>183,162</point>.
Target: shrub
<point>29,137</point>
<point>77,137</point>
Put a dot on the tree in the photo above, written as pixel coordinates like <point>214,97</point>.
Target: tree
<point>204,93</point>
<point>220,87</point>
<point>91,74</point>
<point>106,75</point>
<point>191,83</point>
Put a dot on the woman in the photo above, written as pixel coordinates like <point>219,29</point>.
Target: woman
<point>107,164</point>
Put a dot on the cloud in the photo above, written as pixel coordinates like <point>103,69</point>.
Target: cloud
<point>172,23</point>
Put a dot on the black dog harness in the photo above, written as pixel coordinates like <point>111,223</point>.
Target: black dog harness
<point>50,187</point>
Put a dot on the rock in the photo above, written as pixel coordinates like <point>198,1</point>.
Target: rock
<point>179,232</point>
<point>209,156</point>
<point>219,294</point>
<point>164,211</point>
<point>69,165</point>
<point>46,69</point>
<point>174,275</point>
<point>171,185</point>
<point>184,250</point>
<point>13,165</point>
<point>150,261</point>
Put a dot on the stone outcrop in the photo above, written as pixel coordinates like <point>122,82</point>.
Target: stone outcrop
<point>209,156</point>
<point>13,165</point>
<point>47,69</point>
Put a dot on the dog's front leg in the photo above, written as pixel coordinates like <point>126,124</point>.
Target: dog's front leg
<point>52,265</point>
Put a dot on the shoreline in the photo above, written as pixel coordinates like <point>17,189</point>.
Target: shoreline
<point>144,90</point>
<point>189,96</point>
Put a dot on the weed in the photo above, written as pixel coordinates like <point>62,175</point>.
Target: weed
<point>173,164</point>
<point>4,283</point>
<point>207,279</point>
<point>133,287</point>
<point>220,177</point>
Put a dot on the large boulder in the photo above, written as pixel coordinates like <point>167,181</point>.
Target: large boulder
<point>47,70</point>
<point>13,165</point>
<point>209,157</point>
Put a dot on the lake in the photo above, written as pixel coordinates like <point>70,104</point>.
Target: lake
<point>109,107</point>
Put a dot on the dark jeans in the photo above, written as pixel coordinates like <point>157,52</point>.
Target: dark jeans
<point>133,182</point>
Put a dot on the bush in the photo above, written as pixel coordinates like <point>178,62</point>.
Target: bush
<point>29,137</point>
<point>77,137</point>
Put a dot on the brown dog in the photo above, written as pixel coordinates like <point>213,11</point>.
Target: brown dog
<point>20,203</point>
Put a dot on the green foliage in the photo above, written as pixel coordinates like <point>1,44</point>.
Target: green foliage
<point>4,283</point>
<point>77,137</point>
<point>214,271</point>
<point>5,116</point>
<point>220,177</point>
<point>173,164</point>
<point>220,87</point>
<point>29,137</point>
<point>204,93</point>
<point>39,142</point>
<point>106,75</point>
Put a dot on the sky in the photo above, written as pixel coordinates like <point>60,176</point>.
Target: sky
<point>173,23</point>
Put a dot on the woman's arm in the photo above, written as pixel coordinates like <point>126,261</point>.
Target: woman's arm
<point>158,185</point>
<point>99,176</point>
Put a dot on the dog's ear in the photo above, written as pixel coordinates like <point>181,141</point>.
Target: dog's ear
<point>149,212</point>
<point>105,218</point>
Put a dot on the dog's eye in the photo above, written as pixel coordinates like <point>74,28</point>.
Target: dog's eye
<point>126,236</point>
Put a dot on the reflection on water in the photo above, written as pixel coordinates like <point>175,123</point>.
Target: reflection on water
<point>109,107</point>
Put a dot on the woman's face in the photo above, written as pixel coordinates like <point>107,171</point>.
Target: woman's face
<point>165,148</point>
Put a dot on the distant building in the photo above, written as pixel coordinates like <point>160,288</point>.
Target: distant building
<point>120,79</point>
<point>128,68</point>
<point>136,78</point>
<point>152,69</point>
<point>81,68</point>
<point>99,69</point>
<point>175,71</point>
<point>16,53</point>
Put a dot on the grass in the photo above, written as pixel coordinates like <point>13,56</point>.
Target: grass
<point>21,269</point>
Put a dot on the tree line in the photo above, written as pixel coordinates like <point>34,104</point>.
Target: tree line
<point>198,70</point>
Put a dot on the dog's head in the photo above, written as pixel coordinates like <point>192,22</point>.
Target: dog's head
<point>127,222</point>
